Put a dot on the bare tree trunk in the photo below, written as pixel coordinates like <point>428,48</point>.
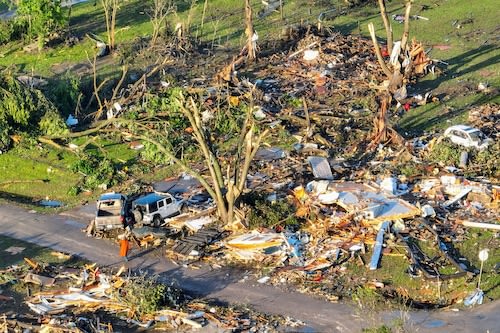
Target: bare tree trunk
<point>113,24</point>
<point>249,30</point>
<point>380,59</point>
<point>387,25</point>
<point>406,31</point>
<point>110,8</point>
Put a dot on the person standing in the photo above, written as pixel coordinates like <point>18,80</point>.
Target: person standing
<point>124,246</point>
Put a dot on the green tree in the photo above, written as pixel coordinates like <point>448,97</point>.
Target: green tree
<point>25,110</point>
<point>40,17</point>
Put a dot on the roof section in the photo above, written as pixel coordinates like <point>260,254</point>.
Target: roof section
<point>149,198</point>
<point>111,196</point>
<point>464,128</point>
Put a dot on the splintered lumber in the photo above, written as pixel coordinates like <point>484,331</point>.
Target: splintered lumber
<point>191,322</point>
<point>457,197</point>
<point>33,264</point>
<point>481,225</point>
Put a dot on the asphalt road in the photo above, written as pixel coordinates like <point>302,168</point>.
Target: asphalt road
<point>62,232</point>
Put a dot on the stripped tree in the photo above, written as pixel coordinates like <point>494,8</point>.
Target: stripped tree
<point>249,32</point>
<point>110,8</point>
<point>227,177</point>
<point>158,15</point>
<point>396,77</point>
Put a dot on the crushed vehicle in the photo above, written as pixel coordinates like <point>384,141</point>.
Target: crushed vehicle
<point>153,208</point>
<point>113,209</point>
<point>467,136</point>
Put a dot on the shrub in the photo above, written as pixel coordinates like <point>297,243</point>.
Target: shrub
<point>64,93</point>
<point>445,152</point>
<point>268,214</point>
<point>145,295</point>
<point>52,123</point>
<point>97,170</point>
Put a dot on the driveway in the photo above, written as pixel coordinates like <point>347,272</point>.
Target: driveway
<point>62,232</point>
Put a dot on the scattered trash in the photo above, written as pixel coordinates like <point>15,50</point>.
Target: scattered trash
<point>13,250</point>
<point>71,121</point>
<point>263,279</point>
<point>51,203</point>
<point>475,298</point>
<point>400,18</point>
<point>310,55</point>
<point>377,250</point>
<point>321,168</point>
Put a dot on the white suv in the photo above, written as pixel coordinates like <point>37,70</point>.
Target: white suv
<point>152,208</point>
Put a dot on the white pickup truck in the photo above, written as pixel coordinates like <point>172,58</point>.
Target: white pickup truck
<point>112,211</point>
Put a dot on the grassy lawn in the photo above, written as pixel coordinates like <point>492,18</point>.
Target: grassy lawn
<point>27,176</point>
<point>29,250</point>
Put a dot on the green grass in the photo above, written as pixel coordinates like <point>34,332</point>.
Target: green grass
<point>27,176</point>
<point>32,251</point>
<point>393,272</point>
<point>112,149</point>
<point>483,239</point>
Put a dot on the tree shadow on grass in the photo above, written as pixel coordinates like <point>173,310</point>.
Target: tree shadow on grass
<point>437,114</point>
<point>429,116</point>
<point>93,21</point>
<point>17,198</point>
<point>458,65</point>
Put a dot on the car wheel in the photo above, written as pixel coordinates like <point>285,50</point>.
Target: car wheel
<point>184,208</point>
<point>138,216</point>
<point>156,221</point>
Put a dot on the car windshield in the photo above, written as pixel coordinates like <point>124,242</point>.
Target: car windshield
<point>476,135</point>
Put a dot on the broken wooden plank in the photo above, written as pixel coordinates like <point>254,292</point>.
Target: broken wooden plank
<point>481,225</point>
<point>39,279</point>
<point>457,197</point>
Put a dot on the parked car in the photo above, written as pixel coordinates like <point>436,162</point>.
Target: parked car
<point>467,136</point>
<point>153,208</point>
<point>112,211</point>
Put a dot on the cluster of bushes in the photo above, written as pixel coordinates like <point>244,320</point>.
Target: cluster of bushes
<point>32,19</point>
<point>25,110</point>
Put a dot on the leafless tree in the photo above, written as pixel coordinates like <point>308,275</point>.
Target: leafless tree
<point>160,9</point>
<point>249,31</point>
<point>110,10</point>
<point>397,76</point>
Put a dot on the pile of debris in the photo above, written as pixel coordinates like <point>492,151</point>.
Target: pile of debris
<point>322,94</point>
<point>487,118</point>
<point>89,299</point>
